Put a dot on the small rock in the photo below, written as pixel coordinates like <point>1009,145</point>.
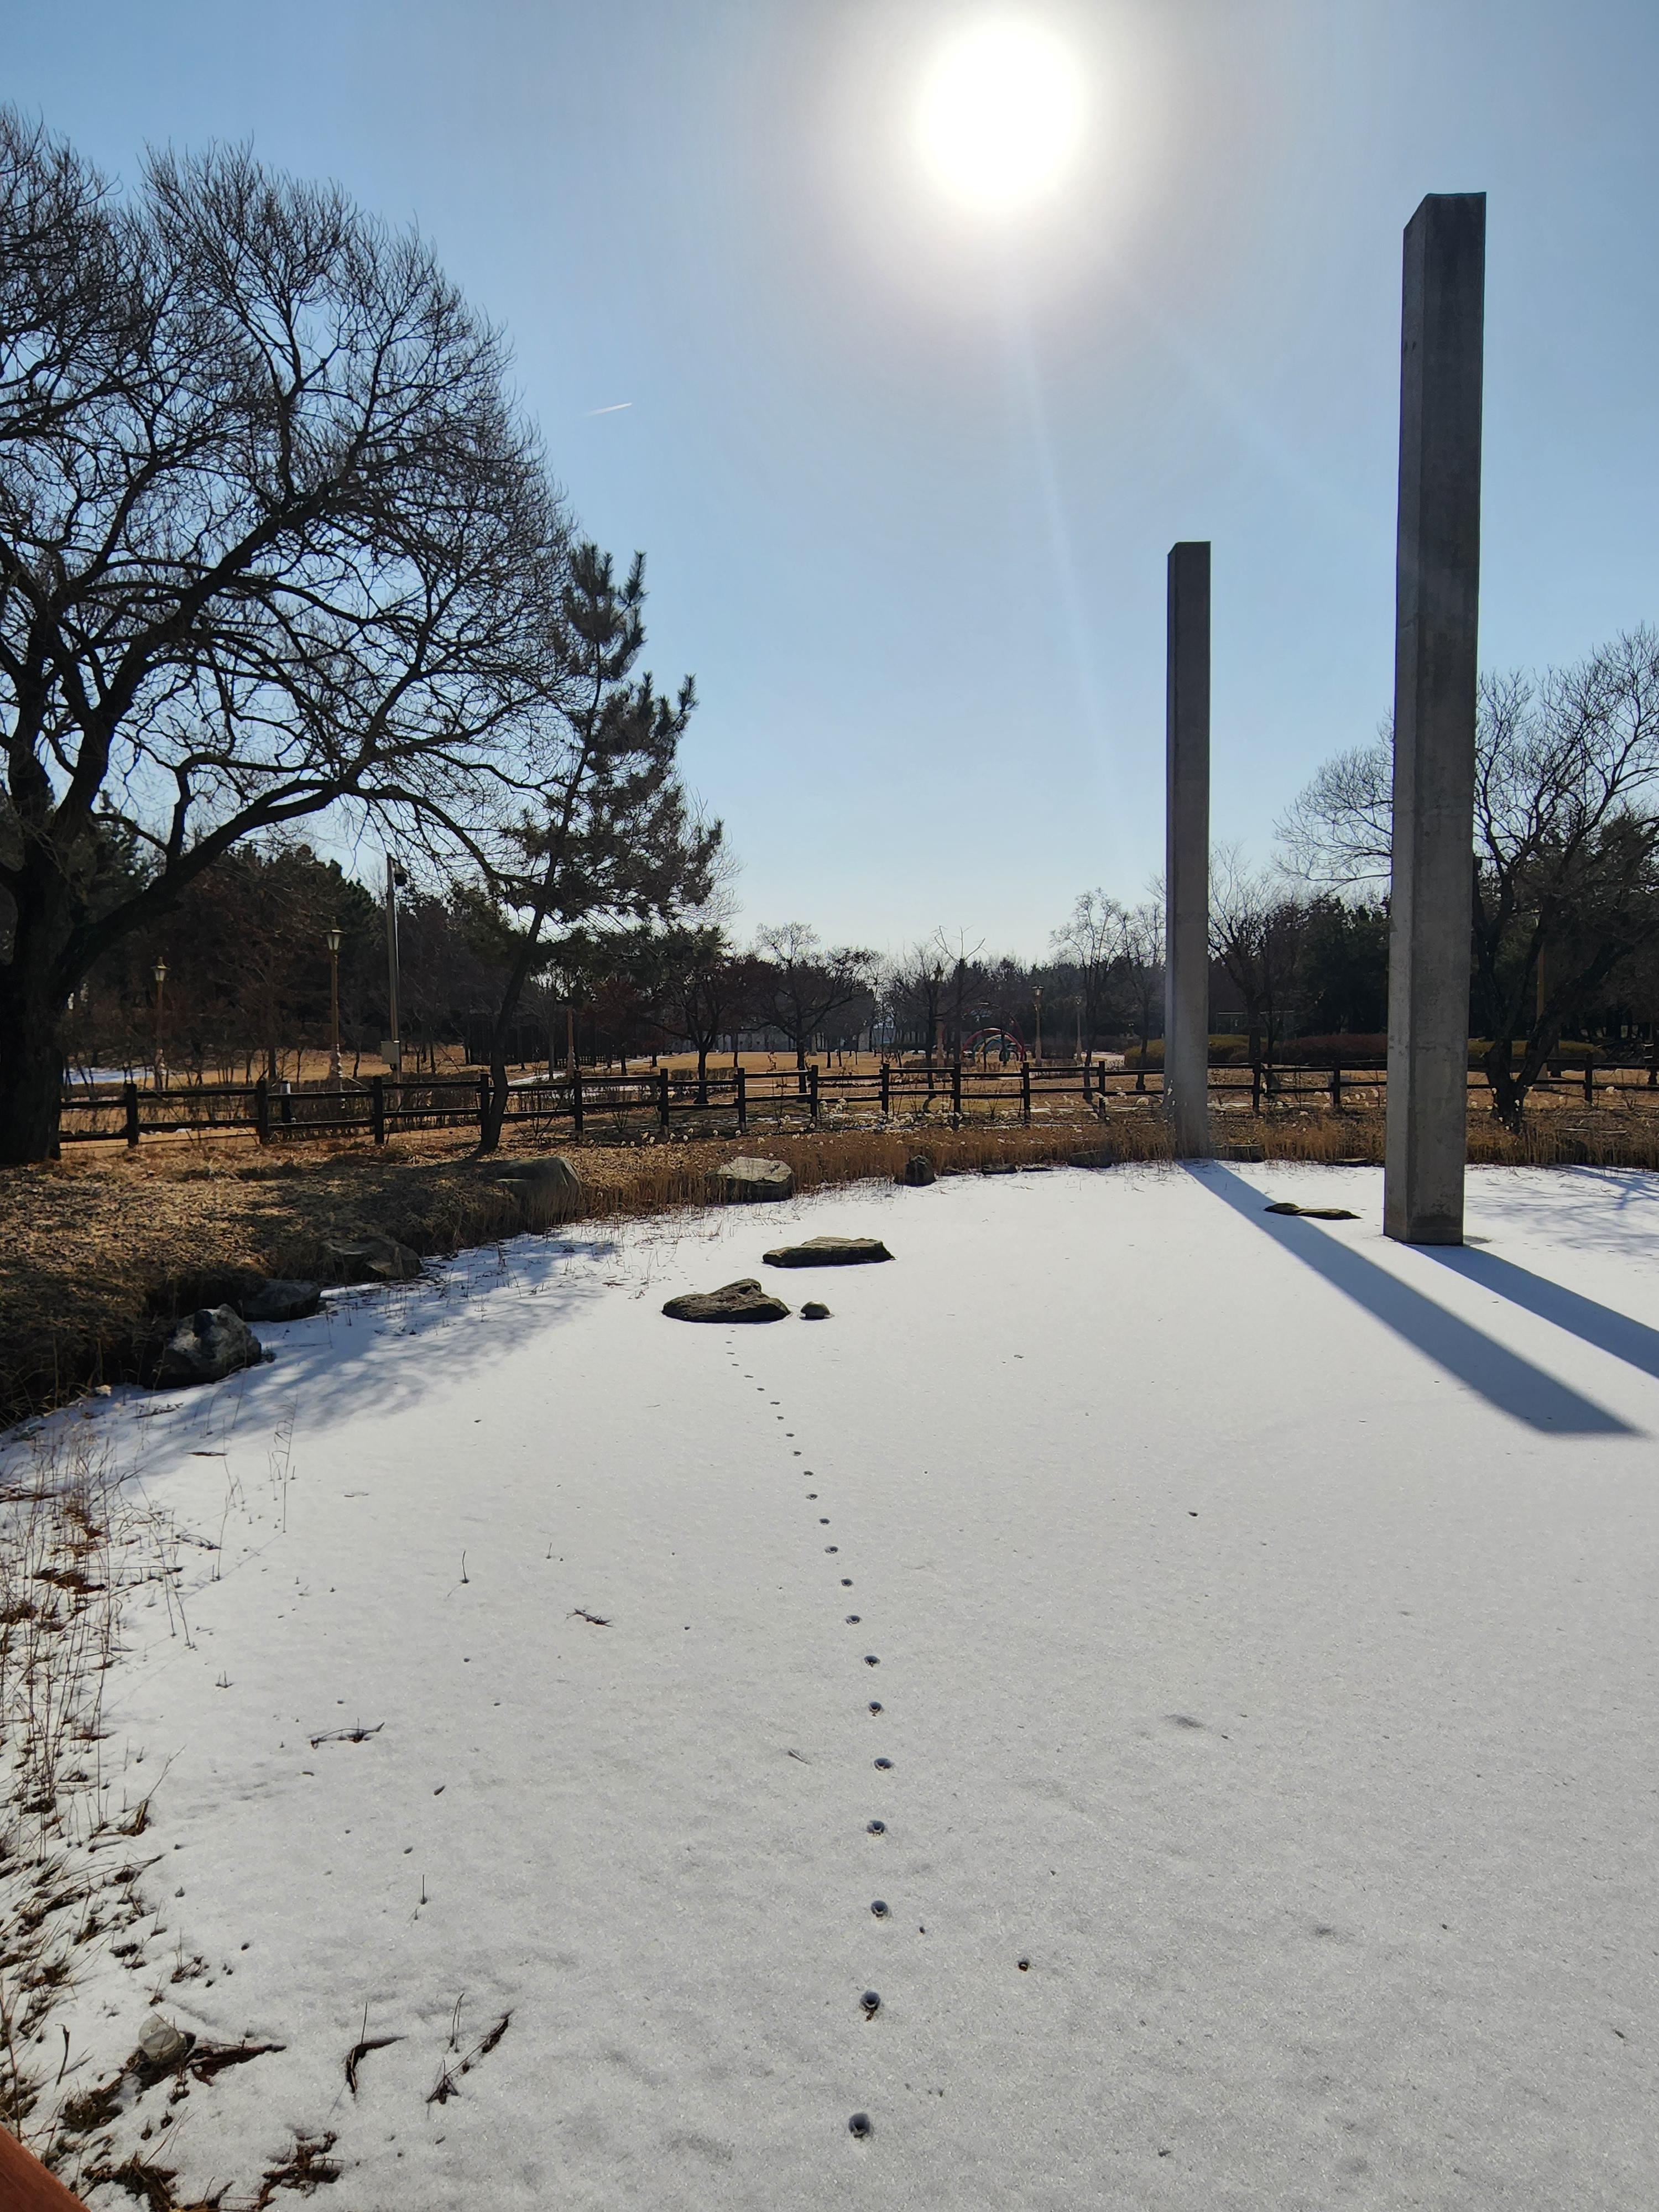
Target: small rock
<point>160,2043</point>
<point>744,1301</point>
<point>1101,1157</point>
<point>280,1299</point>
<point>829,1252</point>
<point>212,1342</point>
<point>745,1182</point>
<point>860,2125</point>
<point>918,1171</point>
<point>1314,1213</point>
<point>872,2003</point>
<point>815,1309</point>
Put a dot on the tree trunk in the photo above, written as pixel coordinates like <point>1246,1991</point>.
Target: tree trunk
<point>31,1074</point>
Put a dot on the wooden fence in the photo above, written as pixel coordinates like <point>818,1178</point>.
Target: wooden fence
<point>586,1100</point>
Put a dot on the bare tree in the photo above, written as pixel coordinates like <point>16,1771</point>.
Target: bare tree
<point>1137,971</point>
<point>1092,941</point>
<point>803,983</point>
<point>1257,926</point>
<point>1567,845</point>
<point>273,537</point>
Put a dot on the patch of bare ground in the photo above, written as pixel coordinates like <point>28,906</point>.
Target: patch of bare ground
<point>96,1254</point>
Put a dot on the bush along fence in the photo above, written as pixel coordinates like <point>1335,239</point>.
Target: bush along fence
<point>586,1101</point>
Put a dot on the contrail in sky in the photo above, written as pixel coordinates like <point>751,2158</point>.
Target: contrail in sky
<point>615,409</point>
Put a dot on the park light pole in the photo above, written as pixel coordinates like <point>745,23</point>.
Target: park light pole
<point>392,1049</point>
<point>160,973</point>
<point>1039,1022</point>
<point>334,1005</point>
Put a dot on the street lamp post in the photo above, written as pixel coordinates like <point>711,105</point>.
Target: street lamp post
<point>1039,1022</point>
<point>334,1005</point>
<point>160,972</point>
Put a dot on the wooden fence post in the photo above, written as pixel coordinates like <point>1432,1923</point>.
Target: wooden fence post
<point>955,1090</point>
<point>1256,1086</point>
<point>262,1111</point>
<point>576,1097</point>
<point>129,1109</point>
<point>1336,1089</point>
<point>377,1107</point>
<point>1589,1080</point>
<point>1025,1091</point>
<point>743,1098</point>
<point>662,1097</point>
<point>886,1089</point>
<point>813,1091</point>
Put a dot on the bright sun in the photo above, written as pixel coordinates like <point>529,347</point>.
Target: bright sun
<point>1001,114</point>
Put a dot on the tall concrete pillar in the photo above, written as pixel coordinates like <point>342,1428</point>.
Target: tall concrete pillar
<point>1437,607</point>
<point>1187,852</point>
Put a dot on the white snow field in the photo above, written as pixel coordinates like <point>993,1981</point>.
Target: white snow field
<point>1265,1626</point>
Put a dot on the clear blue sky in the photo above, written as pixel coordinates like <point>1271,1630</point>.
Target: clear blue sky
<point>905,478</point>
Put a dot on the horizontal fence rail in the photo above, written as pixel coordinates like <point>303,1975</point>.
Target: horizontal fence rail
<point>587,1099</point>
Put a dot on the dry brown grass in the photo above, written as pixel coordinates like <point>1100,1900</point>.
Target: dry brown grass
<point>95,1253</point>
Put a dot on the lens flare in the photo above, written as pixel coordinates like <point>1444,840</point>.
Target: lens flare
<point>1001,113</point>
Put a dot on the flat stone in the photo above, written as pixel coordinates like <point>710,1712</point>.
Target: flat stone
<point>279,1299</point>
<point>1314,1213</point>
<point>829,1252</point>
<point>744,1301</point>
<point>205,1346</point>
<point>383,1257</point>
<point>746,1181</point>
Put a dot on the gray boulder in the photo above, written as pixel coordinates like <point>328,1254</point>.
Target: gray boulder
<point>743,1301</point>
<point>745,1182</point>
<point>212,1342</point>
<point>1101,1157</point>
<point>382,1257</point>
<point>814,1310</point>
<point>918,1171</point>
<point>548,1189</point>
<point>279,1299</point>
<point>829,1252</point>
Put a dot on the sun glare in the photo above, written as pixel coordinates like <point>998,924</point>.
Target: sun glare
<point>1001,114</point>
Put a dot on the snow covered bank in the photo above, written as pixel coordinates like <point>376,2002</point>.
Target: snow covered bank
<point>1262,1620</point>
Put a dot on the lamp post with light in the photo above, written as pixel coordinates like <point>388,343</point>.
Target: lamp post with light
<point>160,973</point>
<point>1039,1022</point>
<point>334,1005</point>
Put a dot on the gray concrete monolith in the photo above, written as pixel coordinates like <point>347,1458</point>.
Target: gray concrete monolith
<point>1437,607</point>
<point>1187,853</point>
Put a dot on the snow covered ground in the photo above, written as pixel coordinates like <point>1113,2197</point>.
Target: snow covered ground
<point>1243,1629</point>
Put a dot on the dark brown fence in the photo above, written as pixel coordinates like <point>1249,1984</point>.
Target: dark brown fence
<point>591,1103</point>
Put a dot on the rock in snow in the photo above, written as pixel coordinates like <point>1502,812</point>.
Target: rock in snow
<point>743,1180</point>
<point>743,1301</point>
<point>212,1342</point>
<point>814,1310</point>
<point>279,1299</point>
<point>829,1252</point>
<point>160,2043</point>
<point>918,1171</point>
<point>1314,1213</point>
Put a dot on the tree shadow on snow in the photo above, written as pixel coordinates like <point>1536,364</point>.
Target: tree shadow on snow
<point>459,1317</point>
<point>1499,1375</point>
